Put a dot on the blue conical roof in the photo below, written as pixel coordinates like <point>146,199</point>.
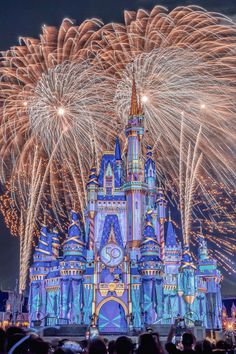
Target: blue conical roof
<point>54,242</point>
<point>117,149</point>
<point>187,260</point>
<point>149,246</point>
<point>74,242</point>
<point>203,250</point>
<point>43,247</point>
<point>171,240</point>
<point>93,179</point>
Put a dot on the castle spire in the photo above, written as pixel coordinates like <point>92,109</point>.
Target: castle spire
<point>134,108</point>
<point>117,149</point>
<point>74,242</point>
<point>43,245</point>
<point>149,245</point>
<point>171,240</point>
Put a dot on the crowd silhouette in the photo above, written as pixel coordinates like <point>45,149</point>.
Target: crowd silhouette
<point>16,340</point>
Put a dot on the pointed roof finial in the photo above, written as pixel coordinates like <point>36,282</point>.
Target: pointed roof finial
<point>45,217</point>
<point>200,227</point>
<point>117,149</point>
<point>169,214</point>
<point>134,108</point>
<point>93,155</point>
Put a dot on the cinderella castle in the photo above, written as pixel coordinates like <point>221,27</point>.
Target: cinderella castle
<point>125,268</point>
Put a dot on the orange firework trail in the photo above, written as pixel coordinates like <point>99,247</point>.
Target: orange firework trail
<point>67,93</point>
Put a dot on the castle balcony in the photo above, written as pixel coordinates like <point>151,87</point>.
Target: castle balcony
<point>135,185</point>
<point>112,205</point>
<point>113,287</point>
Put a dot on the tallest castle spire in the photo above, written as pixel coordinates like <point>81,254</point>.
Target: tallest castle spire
<point>134,109</point>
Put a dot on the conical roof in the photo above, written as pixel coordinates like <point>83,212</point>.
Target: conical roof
<point>73,245</point>
<point>43,247</point>
<point>117,149</point>
<point>171,239</point>
<point>149,247</point>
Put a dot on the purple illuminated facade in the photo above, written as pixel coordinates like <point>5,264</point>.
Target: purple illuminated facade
<point>124,269</point>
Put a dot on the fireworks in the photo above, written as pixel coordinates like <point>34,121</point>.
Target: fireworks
<point>51,121</point>
<point>66,95</point>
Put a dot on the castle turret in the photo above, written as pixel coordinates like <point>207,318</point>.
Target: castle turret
<point>173,302</point>
<point>151,270</point>
<point>135,187</point>
<point>72,269</point>
<point>172,249</point>
<point>189,285</point>
<point>92,190</point>
<point>119,165</point>
<point>54,242</point>
<point>210,278</point>
<point>203,250</point>
<point>41,262</point>
<point>52,281</point>
<point>150,178</point>
<point>233,311</point>
<point>161,214</point>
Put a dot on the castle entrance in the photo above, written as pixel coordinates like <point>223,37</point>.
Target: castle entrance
<point>112,318</point>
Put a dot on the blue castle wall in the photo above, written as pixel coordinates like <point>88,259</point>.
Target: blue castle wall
<point>124,271</point>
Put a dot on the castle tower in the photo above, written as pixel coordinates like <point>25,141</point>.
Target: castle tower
<point>187,283</point>
<point>119,178</point>
<point>210,278</point>
<point>135,187</point>
<point>173,250</point>
<point>54,242</point>
<point>173,301</point>
<point>150,178</point>
<point>72,267</point>
<point>41,262</point>
<point>233,311</point>
<point>161,214</point>
<point>92,190</point>
<point>151,270</point>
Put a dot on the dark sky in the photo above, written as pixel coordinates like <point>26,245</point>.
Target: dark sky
<point>25,18</point>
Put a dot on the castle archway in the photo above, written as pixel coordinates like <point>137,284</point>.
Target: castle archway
<point>112,316</point>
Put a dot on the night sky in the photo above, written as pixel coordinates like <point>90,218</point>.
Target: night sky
<point>25,18</point>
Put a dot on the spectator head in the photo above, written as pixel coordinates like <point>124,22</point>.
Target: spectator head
<point>187,340</point>
<point>97,346</point>
<point>156,337</point>
<point>38,346</point>
<point>124,345</point>
<point>171,348</point>
<point>111,347</point>
<point>147,344</point>
<point>14,330</point>
<point>221,344</point>
<point>2,340</point>
<point>207,346</point>
<point>199,347</point>
<point>18,344</point>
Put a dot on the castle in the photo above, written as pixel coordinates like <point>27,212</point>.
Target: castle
<point>125,267</point>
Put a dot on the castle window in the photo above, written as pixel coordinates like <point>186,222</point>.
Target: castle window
<point>136,205</point>
<point>109,180</point>
<point>109,185</point>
